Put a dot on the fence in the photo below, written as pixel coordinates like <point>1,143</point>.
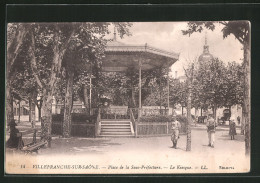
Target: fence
<point>88,125</point>
<point>156,128</point>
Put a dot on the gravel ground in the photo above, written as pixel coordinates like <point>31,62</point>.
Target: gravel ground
<point>151,152</point>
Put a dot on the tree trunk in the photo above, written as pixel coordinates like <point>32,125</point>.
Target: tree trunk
<point>243,122</point>
<point>9,105</point>
<point>30,109</point>
<point>68,105</point>
<point>19,112</point>
<point>32,114</point>
<point>196,115</point>
<point>188,145</point>
<point>246,99</point>
<point>46,116</point>
<point>39,111</point>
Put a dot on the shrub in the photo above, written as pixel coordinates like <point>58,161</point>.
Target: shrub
<point>182,119</point>
<point>76,118</point>
<point>82,118</point>
<point>57,117</point>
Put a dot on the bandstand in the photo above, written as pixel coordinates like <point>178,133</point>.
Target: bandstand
<point>120,57</point>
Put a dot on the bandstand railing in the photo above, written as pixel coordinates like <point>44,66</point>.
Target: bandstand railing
<point>125,113</point>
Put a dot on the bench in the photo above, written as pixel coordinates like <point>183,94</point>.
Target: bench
<point>33,146</point>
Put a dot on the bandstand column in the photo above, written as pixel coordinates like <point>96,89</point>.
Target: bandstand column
<point>140,90</point>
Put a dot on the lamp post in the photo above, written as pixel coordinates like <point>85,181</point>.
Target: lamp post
<point>90,76</point>
<point>39,104</point>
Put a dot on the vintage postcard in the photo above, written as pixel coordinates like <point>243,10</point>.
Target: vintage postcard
<point>127,97</point>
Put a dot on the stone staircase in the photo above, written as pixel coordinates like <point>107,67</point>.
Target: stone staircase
<point>116,128</point>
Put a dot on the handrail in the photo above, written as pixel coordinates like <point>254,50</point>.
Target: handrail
<point>98,125</point>
<point>132,118</point>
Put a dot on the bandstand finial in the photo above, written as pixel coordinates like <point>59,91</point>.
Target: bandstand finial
<point>206,47</point>
<point>114,33</point>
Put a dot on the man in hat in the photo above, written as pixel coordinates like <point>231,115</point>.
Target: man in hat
<point>13,140</point>
<point>211,130</point>
<point>176,126</point>
<point>232,128</point>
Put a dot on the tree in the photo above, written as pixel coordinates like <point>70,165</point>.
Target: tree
<point>23,86</point>
<point>15,38</point>
<point>241,31</point>
<point>65,40</point>
<point>210,77</point>
<point>58,36</point>
<point>87,50</point>
<point>233,93</point>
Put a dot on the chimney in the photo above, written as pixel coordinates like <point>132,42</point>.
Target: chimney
<point>176,74</point>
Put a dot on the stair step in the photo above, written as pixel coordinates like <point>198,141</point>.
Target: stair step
<point>115,127</point>
<point>115,120</point>
<point>114,124</point>
<point>115,130</point>
<point>118,136</point>
<point>116,133</point>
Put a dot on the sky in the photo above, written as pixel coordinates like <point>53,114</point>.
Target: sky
<point>168,36</point>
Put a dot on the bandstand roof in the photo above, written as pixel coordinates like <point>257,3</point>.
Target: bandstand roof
<point>119,57</point>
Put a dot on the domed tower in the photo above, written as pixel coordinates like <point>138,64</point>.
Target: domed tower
<point>205,56</point>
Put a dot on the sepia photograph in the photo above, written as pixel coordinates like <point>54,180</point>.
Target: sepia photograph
<point>128,97</point>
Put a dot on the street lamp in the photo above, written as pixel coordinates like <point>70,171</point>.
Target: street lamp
<point>90,77</point>
<point>39,104</point>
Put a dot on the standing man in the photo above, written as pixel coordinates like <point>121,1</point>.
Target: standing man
<point>232,128</point>
<point>175,132</point>
<point>211,130</point>
<point>238,120</point>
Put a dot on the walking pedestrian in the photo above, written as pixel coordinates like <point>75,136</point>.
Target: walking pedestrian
<point>175,132</point>
<point>238,120</point>
<point>13,140</point>
<point>232,131</point>
<point>211,127</point>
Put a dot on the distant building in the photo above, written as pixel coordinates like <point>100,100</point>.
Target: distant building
<point>205,56</point>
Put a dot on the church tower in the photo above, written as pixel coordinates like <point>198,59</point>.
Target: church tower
<point>205,56</point>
